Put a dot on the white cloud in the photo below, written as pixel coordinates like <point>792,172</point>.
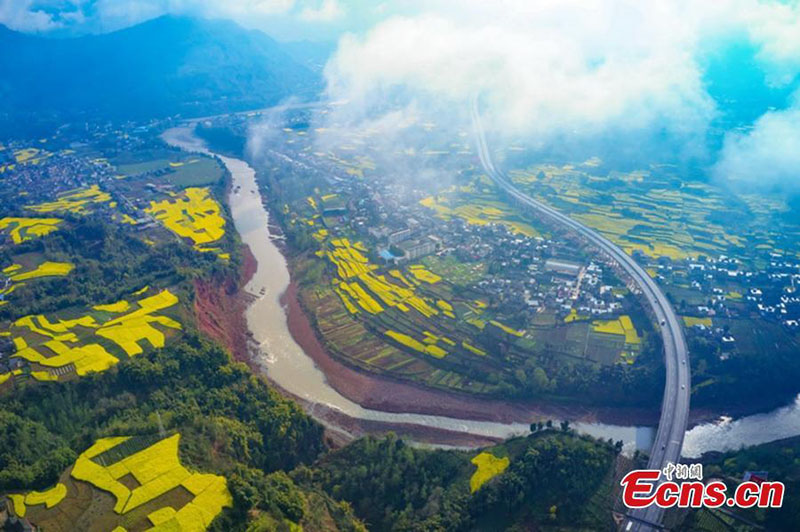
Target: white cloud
<point>22,15</point>
<point>775,28</point>
<point>766,155</point>
<point>327,11</point>
<point>554,68</point>
<point>108,15</point>
<point>542,67</point>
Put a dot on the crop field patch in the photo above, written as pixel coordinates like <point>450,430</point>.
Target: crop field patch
<point>193,214</point>
<point>78,201</point>
<point>97,489</point>
<point>649,215</point>
<point>488,466</point>
<point>23,229</point>
<point>58,347</point>
<point>478,207</point>
<point>18,274</point>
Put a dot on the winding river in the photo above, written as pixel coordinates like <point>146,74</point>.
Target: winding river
<point>292,369</point>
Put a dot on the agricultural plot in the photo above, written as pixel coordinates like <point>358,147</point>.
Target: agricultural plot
<point>194,215</point>
<point>17,273</point>
<point>603,342</point>
<point>623,328</point>
<point>48,498</point>
<point>58,348</point>
<point>363,291</point>
<point>691,321</point>
<point>77,201</point>
<point>25,156</point>
<point>477,208</point>
<point>192,171</point>
<point>642,210</point>
<point>455,271</point>
<point>23,229</point>
<point>128,483</point>
<point>29,267</point>
<point>404,321</point>
<point>488,466</point>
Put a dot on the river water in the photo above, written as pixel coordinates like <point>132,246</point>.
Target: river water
<point>292,369</point>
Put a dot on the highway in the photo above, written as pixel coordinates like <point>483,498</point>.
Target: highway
<point>675,403</point>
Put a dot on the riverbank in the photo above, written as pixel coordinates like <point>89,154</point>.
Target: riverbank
<point>378,392</point>
<point>220,307</point>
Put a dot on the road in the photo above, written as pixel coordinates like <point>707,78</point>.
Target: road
<point>675,403</point>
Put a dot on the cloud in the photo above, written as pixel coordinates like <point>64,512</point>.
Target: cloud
<point>563,73</point>
<point>775,28</point>
<point>109,15</point>
<point>542,68</point>
<point>327,11</point>
<point>766,155</point>
<point>23,15</point>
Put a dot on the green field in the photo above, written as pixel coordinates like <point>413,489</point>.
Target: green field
<point>178,170</point>
<point>457,272</point>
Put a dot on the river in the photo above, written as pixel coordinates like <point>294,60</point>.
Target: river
<point>292,369</point>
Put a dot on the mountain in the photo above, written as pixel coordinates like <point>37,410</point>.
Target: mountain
<point>161,67</point>
<point>311,54</point>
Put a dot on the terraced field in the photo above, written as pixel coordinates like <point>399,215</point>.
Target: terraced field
<point>128,483</point>
<point>424,321</point>
<point>79,343</point>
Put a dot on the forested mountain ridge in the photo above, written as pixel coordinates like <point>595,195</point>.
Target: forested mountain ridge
<point>165,66</point>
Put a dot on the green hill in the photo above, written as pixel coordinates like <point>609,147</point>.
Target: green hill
<point>161,67</point>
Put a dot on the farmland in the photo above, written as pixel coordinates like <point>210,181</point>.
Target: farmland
<point>488,466</point>
<point>176,169</point>
<point>16,272</point>
<point>149,486</point>
<point>429,321</point>
<point>443,282</point>
<point>78,201</point>
<point>193,214</point>
<point>77,343</point>
<point>23,229</point>
<point>650,215</point>
<point>478,204</point>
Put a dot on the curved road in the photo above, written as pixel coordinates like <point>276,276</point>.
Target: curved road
<point>675,404</point>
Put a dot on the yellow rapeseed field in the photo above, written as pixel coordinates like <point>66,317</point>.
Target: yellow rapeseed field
<point>506,328</point>
<point>474,350</point>
<point>74,201</point>
<point>119,306</point>
<point>358,286</point>
<point>158,470</point>
<point>45,269</point>
<point>194,215</point>
<point>422,274</point>
<point>49,498</point>
<point>622,326</point>
<point>691,321</point>
<point>489,466</point>
<point>60,338</point>
<point>416,345</point>
<point>23,229</point>
<point>128,330</point>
